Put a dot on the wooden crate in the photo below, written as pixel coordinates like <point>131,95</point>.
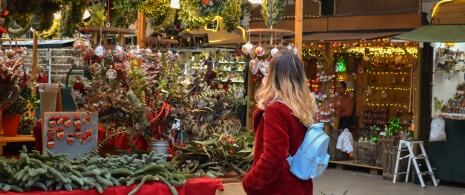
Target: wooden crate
<point>365,153</point>
<point>384,142</point>
<point>389,163</point>
<point>334,153</point>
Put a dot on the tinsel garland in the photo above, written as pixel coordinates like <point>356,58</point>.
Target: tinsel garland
<point>278,10</point>
<point>231,14</point>
<point>190,15</point>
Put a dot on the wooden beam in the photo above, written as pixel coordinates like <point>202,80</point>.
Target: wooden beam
<point>299,7</point>
<point>141,28</point>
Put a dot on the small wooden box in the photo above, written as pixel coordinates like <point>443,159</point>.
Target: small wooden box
<point>384,142</point>
<point>365,153</point>
<point>389,163</point>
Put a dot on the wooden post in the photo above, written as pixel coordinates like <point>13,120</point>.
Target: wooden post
<point>141,31</point>
<point>299,7</point>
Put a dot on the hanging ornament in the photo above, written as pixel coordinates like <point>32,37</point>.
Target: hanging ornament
<point>24,53</point>
<point>126,66</point>
<point>77,46</point>
<point>263,66</point>
<point>259,51</point>
<point>247,48</point>
<point>148,52</point>
<point>274,51</point>
<point>295,51</point>
<point>111,74</point>
<point>131,54</point>
<point>253,66</point>
<point>2,53</point>
<point>119,52</point>
<point>158,54</point>
<point>118,65</point>
<point>139,52</point>
<point>96,68</point>
<point>100,51</point>
<point>289,46</point>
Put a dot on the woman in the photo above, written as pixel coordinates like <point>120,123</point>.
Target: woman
<point>285,111</point>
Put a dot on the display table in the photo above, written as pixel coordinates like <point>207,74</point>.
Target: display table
<point>448,157</point>
<point>196,186</point>
<point>18,138</point>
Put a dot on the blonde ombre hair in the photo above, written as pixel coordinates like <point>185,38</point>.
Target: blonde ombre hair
<point>286,81</point>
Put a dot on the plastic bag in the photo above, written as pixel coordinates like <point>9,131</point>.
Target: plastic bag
<point>438,130</point>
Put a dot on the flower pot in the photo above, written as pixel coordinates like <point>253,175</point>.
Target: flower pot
<point>10,125</point>
<point>160,147</point>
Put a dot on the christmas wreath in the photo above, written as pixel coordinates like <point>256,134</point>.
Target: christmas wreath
<point>278,10</point>
<point>15,30</point>
<point>231,14</point>
<point>211,7</point>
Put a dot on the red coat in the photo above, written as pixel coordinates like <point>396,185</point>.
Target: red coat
<point>276,134</point>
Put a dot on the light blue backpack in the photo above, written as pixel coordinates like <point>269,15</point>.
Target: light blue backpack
<point>311,159</point>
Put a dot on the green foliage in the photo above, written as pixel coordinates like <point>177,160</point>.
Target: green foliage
<point>23,104</point>
<point>162,24</point>
<point>219,154</point>
<point>97,15</point>
<point>210,7</point>
<point>71,13</point>
<point>190,16</point>
<point>55,172</point>
<point>278,11</point>
<point>231,14</point>
<point>154,9</point>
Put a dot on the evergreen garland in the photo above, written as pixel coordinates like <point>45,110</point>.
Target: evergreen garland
<point>154,8</point>
<point>71,15</point>
<point>211,7</point>
<point>97,15</point>
<point>190,15</point>
<point>162,24</point>
<point>231,15</point>
<point>278,10</point>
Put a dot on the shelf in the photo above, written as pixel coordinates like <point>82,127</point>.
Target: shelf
<point>231,62</point>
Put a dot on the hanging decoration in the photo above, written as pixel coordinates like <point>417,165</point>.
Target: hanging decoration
<point>162,24</point>
<point>231,14</point>
<point>15,30</point>
<point>97,15</point>
<point>190,15</point>
<point>211,7</point>
<point>53,31</point>
<point>72,17</point>
<point>154,9</point>
<point>341,65</point>
<point>278,10</point>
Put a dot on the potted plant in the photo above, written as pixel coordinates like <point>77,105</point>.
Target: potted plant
<point>12,81</point>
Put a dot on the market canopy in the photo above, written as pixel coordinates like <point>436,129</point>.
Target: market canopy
<point>435,33</point>
<point>348,36</point>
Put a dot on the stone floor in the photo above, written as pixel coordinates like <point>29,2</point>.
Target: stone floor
<point>358,182</point>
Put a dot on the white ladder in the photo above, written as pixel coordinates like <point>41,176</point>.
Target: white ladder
<point>405,145</point>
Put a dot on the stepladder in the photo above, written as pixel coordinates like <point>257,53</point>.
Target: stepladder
<point>406,145</point>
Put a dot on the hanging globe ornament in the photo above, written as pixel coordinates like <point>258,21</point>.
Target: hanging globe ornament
<point>263,66</point>
<point>100,51</point>
<point>247,48</point>
<point>289,46</point>
<point>2,53</point>
<point>295,51</point>
<point>77,46</point>
<point>118,65</point>
<point>131,54</point>
<point>139,52</point>
<point>148,52</point>
<point>253,66</point>
<point>159,54</point>
<point>274,51</point>
<point>259,51</point>
<point>111,74</point>
<point>119,52</point>
<point>126,66</point>
<point>96,68</point>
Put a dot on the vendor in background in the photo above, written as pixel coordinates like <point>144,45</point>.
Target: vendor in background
<point>42,77</point>
<point>345,105</point>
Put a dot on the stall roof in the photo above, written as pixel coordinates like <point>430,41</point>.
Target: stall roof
<point>41,44</point>
<point>348,36</point>
<point>435,33</point>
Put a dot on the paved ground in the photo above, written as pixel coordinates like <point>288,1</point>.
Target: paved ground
<point>358,182</point>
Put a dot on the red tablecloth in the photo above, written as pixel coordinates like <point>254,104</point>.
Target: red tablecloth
<point>196,186</point>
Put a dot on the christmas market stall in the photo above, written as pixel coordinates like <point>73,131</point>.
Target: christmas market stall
<point>446,61</point>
